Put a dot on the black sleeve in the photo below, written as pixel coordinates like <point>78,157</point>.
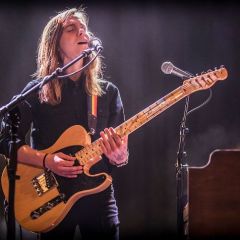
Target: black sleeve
<point>25,115</point>
<point>116,116</point>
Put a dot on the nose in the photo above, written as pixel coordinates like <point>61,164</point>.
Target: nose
<point>81,31</point>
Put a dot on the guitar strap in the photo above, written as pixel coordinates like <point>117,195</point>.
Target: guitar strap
<point>92,113</point>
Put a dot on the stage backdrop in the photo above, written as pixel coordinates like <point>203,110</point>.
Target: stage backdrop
<point>137,39</point>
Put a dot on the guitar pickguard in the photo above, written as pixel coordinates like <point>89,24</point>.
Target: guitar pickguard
<point>83,182</point>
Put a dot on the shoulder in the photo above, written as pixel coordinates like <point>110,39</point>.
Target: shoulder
<point>109,87</point>
<point>30,85</point>
<point>111,95</point>
<point>31,99</point>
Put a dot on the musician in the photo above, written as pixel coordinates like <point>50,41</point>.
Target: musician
<point>62,103</point>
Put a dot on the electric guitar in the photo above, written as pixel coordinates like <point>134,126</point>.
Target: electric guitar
<point>40,201</point>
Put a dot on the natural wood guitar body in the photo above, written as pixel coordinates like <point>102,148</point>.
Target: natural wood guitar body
<point>26,198</point>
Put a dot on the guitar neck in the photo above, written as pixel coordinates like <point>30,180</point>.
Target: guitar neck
<point>93,150</point>
<point>152,111</point>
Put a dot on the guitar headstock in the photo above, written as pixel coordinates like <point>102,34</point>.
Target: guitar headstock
<point>205,80</point>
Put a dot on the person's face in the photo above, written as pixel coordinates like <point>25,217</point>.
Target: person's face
<point>74,39</point>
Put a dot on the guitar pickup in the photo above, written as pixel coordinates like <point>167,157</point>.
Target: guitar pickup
<point>47,206</point>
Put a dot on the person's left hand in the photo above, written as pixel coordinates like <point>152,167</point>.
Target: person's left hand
<point>114,147</point>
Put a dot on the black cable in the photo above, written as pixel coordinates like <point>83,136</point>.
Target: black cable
<point>20,232</point>
<point>81,69</point>
<point>202,104</point>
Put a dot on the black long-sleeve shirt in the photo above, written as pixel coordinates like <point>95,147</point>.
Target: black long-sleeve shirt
<point>47,123</point>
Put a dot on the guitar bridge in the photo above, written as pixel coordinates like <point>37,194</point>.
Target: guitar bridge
<point>44,182</point>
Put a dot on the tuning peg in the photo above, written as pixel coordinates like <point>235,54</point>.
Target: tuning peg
<point>209,70</point>
<point>203,72</point>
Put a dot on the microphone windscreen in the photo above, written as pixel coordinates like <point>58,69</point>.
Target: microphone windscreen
<point>167,67</point>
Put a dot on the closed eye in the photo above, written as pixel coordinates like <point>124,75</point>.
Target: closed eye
<point>70,28</point>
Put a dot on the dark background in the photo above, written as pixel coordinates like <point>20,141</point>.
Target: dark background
<point>137,39</point>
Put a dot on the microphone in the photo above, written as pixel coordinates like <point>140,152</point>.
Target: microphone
<point>95,44</point>
<point>169,68</point>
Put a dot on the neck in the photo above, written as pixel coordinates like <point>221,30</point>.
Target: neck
<point>75,67</point>
<point>75,77</point>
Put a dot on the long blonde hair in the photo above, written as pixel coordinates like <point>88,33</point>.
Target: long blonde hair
<point>48,58</point>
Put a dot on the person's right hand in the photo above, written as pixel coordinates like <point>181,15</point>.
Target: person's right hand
<point>62,165</point>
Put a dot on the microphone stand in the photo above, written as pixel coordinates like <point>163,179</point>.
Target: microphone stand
<point>12,110</point>
<point>182,174</point>
<point>181,178</point>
